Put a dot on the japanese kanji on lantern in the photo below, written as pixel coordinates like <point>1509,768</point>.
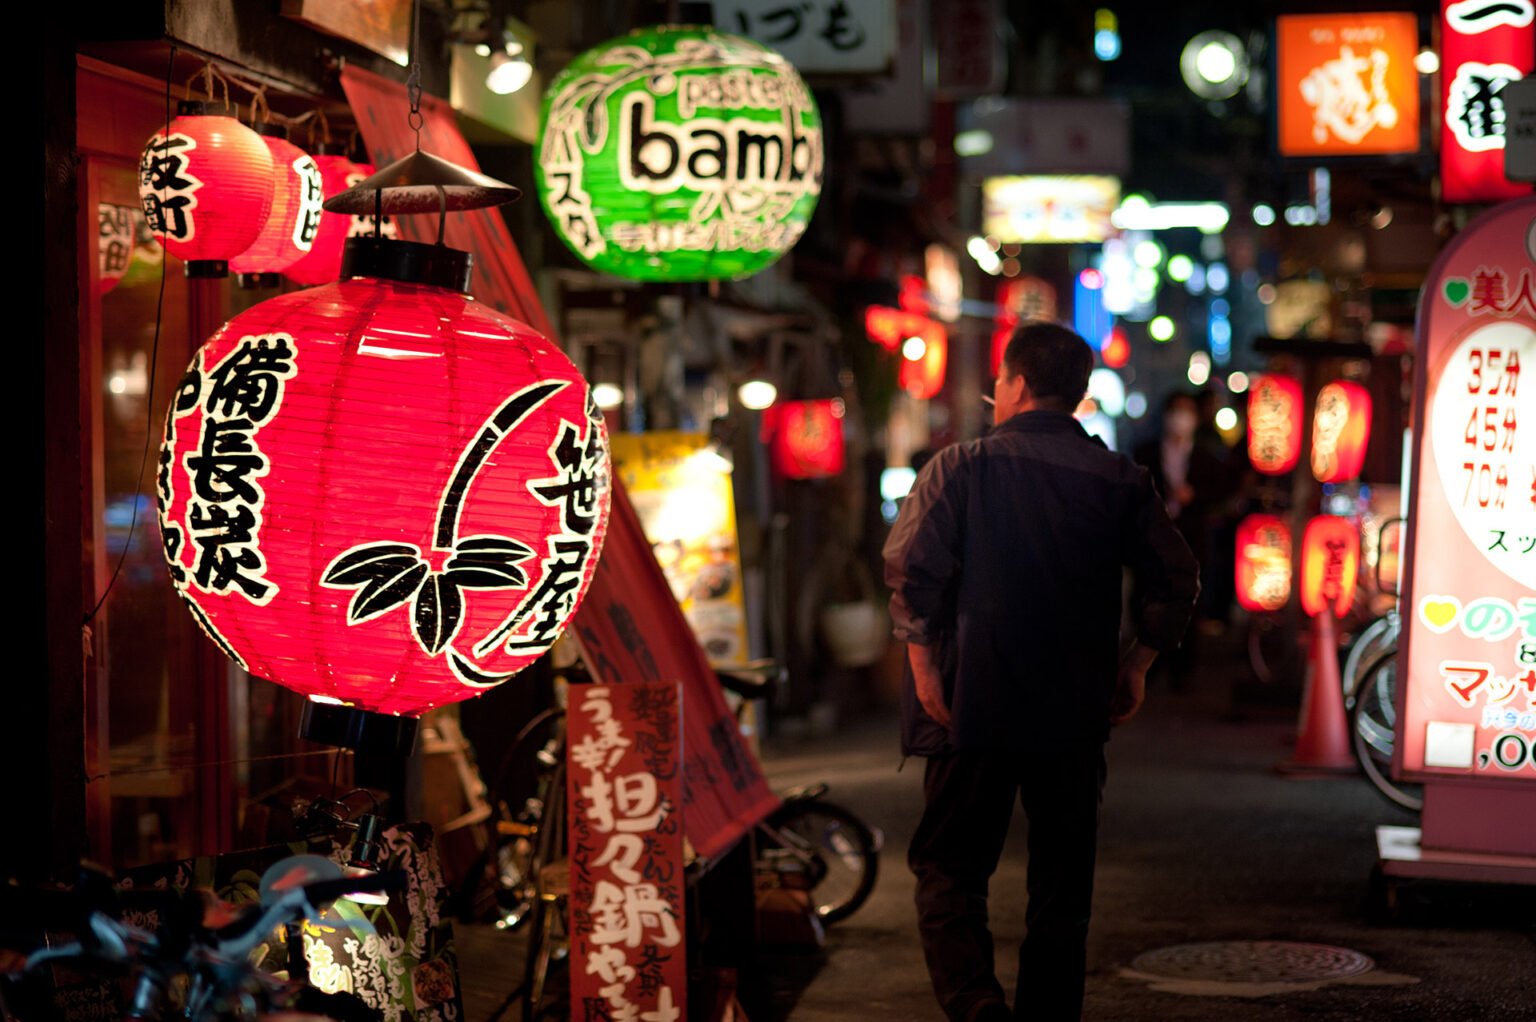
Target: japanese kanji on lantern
<point>1484,47</point>
<point>1274,424</point>
<point>1341,428</point>
<point>294,217</point>
<point>205,181</point>
<point>1330,565</point>
<point>1263,563</point>
<point>379,492</point>
<point>322,263</point>
<point>806,438</point>
<point>679,153</point>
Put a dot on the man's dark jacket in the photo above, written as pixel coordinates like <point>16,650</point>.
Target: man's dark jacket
<point>1007,558</point>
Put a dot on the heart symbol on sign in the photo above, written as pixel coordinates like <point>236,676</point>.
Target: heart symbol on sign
<point>1456,291</point>
<point>1439,613</point>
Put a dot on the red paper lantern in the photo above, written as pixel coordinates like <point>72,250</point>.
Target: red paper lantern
<point>923,376</point>
<point>1117,349</point>
<point>116,235</point>
<point>807,438</point>
<point>1330,563</point>
<point>1341,427</point>
<point>205,182</point>
<point>322,263</point>
<point>382,494</point>
<point>297,192</point>
<point>1274,424</point>
<point>1263,563</point>
<point>890,327</point>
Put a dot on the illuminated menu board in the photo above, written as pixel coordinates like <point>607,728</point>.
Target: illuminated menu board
<point>1469,705</point>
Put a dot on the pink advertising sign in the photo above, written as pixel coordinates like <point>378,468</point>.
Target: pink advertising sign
<point>1468,708</point>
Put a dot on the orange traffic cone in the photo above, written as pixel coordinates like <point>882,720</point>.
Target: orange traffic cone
<point>1322,745</point>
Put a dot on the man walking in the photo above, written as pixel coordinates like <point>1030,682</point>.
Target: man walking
<point>1006,564</point>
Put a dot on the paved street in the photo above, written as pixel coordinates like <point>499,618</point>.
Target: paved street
<point>1201,841</point>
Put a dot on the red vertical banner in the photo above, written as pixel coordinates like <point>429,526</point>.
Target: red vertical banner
<point>1484,47</point>
<point>625,793</point>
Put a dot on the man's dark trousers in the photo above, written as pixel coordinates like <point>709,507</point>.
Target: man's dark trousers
<point>956,849</point>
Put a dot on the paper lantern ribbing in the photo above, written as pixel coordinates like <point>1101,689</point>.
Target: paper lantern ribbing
<point>322,263</point>
<point>205,182</point>
<point>679,153</point>
<point>1263,563</point>
<point>807,438</point>
<point>382,494</point>
<point>1274,424</point>
<point>1330,565</point>
<point>1341,427</point>
<point>294,220</point>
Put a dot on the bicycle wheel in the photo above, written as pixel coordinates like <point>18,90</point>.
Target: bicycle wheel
<point>839,850</point>
<point>1273,653</point>
<point>1377,638</point>
<point>1373,731</point>
<point>518,797</point>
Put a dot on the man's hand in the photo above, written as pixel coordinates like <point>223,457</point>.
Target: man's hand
<point>1131,685</point>
<point>930,684</point>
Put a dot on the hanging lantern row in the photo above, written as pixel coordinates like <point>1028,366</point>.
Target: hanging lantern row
<point>1330,564</point>
<point>1341,427</point>
<point>222,196</point>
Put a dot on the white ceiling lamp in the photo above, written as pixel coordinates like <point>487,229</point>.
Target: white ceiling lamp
<point>1214,65</point>
<point>510,69</point>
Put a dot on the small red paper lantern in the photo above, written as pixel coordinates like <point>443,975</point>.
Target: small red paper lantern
<point>205,182</point>
<point>1263,563</point>
<point>807,438</point>
<point>1330,563</point>
<point>1117,349</point>
<point>890,327</point>
<point>382,494</point>
<point>1274,424</point>
<point>297,192</point>
<point>923,376</point>
<point>322,263</point>
<point>1341,427</point>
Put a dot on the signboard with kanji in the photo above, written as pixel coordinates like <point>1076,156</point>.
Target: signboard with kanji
<point>1346,84</point>
<point>842,37</point>
<point>1484,47</point>
<point>1469,606</point>
<point>626,852</point>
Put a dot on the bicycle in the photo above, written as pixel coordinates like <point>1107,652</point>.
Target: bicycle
<point>1373,729</point>
<point>199,965</point>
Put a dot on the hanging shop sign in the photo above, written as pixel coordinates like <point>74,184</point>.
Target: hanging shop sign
<point>294,218</point>
<point>322,263</point>
<point>805,438</point>
<point>1483,47</point>
<point>382,494</point>
<point>1346,84</point>
<point>1330,565</point>
<point>1470,576</point>
<point>628,954</point>
<point>835,37</point>
<point>679,153</point>
<point>1043,209</point>
<point>205,182</point>
<point>1341,428</point>
<point>1274,424</point>
<point>682,491</point>
<point>922,367</point>
<point>1263,563</point>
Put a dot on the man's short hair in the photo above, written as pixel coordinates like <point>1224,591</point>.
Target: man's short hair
<point>1054,361</point>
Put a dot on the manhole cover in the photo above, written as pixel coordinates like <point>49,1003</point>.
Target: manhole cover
<point>1253,961</point>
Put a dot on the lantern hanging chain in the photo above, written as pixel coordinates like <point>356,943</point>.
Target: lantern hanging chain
<point>413,83</point>
<point>86,634</point>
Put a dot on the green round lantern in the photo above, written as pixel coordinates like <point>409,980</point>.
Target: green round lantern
<point>679,153</point>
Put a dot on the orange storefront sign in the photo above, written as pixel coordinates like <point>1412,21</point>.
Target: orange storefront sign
<point>1346,84</point>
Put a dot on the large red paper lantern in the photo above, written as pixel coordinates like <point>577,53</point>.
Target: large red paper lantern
<point>1341,427</point>
<point>382,494</point>
<point>294,221</point>
<point>205,182</point>
<point>1274,424</point>
<point>1330,563</point>
<point>806,438</point>
<point>922,376</point>
<point>322,263</point>
<point>1263,563</point>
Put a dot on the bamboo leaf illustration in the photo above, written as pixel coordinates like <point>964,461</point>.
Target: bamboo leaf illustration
<point>488,562</point>
<point>385,593</point>
<point>363,563</point>
<point>438,612</point>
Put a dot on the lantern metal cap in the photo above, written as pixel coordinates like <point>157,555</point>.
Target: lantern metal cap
<point>365,731</point>
<point>422,183</point>
<point>409,262</point>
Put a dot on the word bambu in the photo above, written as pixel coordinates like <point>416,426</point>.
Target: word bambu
<point>709,155</point>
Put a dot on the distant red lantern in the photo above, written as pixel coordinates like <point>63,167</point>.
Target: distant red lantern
<point>890,328</point>
<point>205,182</point>
<point>1330,564</point>
<point>1018,299</point>
<point>1274,424</point>
<point>1117,349</point>
<point>381,493</point>
<point>922,366</point>
<point>1263,563</point>
<point>116,235</point>
<point>322,263</point>
<point>294,221</point>
<point>806,438</point>
<point>1341,428</point>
